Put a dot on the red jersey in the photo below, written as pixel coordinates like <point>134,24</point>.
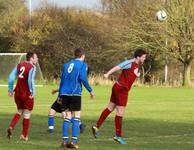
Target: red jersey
<point>22,87</point>
<point>128,76</point>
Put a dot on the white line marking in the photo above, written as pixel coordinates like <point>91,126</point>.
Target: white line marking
<point>13,106</point>
<point>5,85</point>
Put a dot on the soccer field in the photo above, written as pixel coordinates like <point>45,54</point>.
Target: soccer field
<point>155,118</point>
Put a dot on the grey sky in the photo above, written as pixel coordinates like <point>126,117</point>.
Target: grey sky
<point>91,4</point>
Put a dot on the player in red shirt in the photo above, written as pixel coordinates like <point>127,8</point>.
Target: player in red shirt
<point>120,89</point>
<point>23,93</point>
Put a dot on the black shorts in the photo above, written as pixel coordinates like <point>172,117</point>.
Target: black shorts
<point>71,103</point>
<point>57,105</point>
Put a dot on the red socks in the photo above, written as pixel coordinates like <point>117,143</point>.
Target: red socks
<point>118,125</point>
<point>14,120</point>
<point>118,121</point>
<point>103,116</point>
<point>26,124</point>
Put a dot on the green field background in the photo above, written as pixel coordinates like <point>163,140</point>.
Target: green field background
<point>155,118</point>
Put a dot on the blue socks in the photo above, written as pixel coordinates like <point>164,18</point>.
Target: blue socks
<point>51,124</point>
<point>80,123</point>
<point>65,129</point>
<point>75,129</point>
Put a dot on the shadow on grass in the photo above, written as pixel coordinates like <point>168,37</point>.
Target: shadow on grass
<point>138,133</point>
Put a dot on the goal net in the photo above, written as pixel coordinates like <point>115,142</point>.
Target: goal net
<point>9,60</point>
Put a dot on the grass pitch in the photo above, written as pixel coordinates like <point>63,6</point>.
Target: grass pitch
<point>155,119</point>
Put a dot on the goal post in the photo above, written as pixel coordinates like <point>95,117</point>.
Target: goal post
<point>9,60</point>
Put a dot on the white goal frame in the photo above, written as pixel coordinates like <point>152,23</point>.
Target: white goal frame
<point>21,55</point>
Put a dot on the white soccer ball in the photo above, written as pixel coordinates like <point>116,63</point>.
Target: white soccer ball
<point>161,15</point>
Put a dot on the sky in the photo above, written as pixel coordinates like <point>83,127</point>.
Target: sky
<point>89,4</point>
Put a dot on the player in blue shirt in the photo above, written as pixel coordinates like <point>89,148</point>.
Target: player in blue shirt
<point>74,74</point>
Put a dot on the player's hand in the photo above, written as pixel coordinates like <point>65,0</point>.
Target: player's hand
<point>106,75</point>
<point>31,96</point>
<point>10,94</point>
<point>54,91</point>
<point>92,95</point>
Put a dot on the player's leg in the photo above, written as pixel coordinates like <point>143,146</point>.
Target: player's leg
<point>82,126</point>
<point>75,129</point>
<point>16,117</point>
<point>14,121</point>
<point>65,108</point>
<point>65,127</point>
<point>51,121</point>
<point>103,116</point>
<point>75,107</point>
<point>120,109</point>
<point>118,124</point>
<point>26,124</point>
<point>56,107</point>
<point>28,104</point>
<point>106,111</point>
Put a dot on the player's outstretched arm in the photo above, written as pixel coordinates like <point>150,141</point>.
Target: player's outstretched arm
<point>114,69</point>
<point>123,65</point>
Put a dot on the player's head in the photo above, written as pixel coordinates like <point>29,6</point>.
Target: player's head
<point>79,53</point>
<point>140,55</point>
<point>32,57</point>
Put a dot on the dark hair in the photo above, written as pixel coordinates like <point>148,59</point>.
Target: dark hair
<point>29,55</point>
<point>79,52</point>
<point>139,52</point>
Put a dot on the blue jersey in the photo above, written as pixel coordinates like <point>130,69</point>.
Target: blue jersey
<point>74,74</point>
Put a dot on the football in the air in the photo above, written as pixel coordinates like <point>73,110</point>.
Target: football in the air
<point>161,15</point>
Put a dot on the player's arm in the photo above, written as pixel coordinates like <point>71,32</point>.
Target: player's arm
<point>61,81</point>
<point>124,65</point>
<point>11,79</point>
<point>31,80</point>
<point>111,71</point>
<point>83,77</point>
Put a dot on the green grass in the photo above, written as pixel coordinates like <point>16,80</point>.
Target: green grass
<point>155,118</point>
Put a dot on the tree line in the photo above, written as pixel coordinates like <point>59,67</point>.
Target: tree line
<point>108,35</point>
